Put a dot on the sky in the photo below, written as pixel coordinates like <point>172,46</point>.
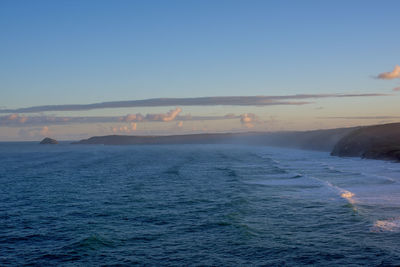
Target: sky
<point>73,69</point>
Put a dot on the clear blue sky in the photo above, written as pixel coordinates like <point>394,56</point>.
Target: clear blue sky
<point>71,52</point>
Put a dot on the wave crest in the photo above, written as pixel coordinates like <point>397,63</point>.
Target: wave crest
<point>389,225</point>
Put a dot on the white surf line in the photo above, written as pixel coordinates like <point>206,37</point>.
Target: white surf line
<point>343,193</point>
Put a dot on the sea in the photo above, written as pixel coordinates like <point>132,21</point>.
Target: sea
<point>195,205</point>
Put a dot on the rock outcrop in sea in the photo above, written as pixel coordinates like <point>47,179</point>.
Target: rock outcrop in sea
<point>48,141</point>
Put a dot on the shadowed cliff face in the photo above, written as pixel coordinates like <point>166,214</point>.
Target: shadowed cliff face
<point>373,142</point>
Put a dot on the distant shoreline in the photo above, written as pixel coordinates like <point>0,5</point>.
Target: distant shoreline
<point>372,142</point>
<point>321,140</point>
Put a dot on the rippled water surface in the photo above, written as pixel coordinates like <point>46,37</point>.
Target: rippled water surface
<point>219,205</point>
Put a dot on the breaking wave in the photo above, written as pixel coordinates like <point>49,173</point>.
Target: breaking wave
<point>388,225</point>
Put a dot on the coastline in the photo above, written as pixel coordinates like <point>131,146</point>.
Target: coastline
<point>381,142</point>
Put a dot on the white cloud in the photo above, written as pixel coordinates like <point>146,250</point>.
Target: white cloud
<point>390,75</point>
<point>132,117</point>
<point>14,118</point>
<point>248,120</point>
<point>132,127</point>
<point>169,116</point>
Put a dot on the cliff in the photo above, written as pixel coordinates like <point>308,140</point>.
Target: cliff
<point>373,142</point>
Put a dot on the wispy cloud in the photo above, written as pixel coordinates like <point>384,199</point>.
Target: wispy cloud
<point>20,120</point>
<point>189,117</point>
<point>390,75</point>
<point>198,101</point>
<point>362,117</point>
<point>169,116</point>
<point>16,120</point>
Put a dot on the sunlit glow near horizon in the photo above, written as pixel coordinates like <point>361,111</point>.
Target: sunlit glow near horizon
<point>71,70</point>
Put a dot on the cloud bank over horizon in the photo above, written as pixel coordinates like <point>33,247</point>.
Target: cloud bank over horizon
<point>17,120</point>
<point>197,101</point>
<point>34,122</point>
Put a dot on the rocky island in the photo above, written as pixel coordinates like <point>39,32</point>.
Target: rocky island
<point>48,141</point>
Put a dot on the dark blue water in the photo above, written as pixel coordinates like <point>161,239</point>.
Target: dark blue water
<point>188,205</point>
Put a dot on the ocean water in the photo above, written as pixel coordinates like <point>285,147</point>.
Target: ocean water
<point>195,205</point>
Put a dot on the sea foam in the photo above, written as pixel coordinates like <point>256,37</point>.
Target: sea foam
<point>389,225</point>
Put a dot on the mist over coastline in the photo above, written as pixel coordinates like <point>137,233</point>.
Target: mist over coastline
<point>323,140</point>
